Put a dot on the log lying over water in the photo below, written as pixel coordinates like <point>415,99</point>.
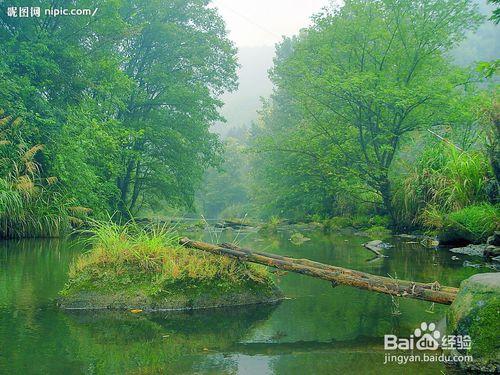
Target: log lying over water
<point>233,224</point>
<point>336,275</point>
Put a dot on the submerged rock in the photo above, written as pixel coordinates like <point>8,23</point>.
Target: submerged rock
<point>474,250</point>
<point>180,300</point>
<point>476,313</point>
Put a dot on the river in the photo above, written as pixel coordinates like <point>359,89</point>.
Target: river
<point>317,330</point>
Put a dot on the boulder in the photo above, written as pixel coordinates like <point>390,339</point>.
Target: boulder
<point>476,313</point>
<point>376,246</point>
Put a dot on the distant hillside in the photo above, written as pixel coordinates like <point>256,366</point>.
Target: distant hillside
<point>483,45</point>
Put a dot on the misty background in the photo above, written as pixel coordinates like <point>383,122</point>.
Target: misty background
<point>256,47</point>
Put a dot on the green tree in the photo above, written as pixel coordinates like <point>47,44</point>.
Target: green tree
<point>496,13</point>
<point>180,61</point>
<point>122,101</point>
<point>365,76</point>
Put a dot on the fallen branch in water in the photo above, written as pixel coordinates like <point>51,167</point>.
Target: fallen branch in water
<point>337,275</point>
<point>374,247</point>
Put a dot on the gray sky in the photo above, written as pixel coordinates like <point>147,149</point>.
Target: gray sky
<point>262,22</point>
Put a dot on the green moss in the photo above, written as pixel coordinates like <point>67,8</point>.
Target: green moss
<point>485,328</point>
<point>476,312</point>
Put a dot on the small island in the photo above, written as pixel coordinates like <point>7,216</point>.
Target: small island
<point>132,267</point>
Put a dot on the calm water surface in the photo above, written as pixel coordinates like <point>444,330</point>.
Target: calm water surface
<point>319,330</point>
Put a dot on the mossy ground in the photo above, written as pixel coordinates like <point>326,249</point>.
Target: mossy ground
<point>130,267</point>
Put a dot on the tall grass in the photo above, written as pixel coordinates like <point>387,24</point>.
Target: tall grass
<point>30,204</point>
<point>155,250</point>
<point>443,179</point>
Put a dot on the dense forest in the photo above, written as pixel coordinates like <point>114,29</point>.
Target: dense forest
<point>371,119</point>
<point>380,116</point>
<point>110,114</point>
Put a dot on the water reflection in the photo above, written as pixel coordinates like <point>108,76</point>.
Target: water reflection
<point>320,329</point>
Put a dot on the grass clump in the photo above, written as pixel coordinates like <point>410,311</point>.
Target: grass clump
<point>272,225</point>
<point>31,204</point>
<point>444,186</point>
<point>132,266</point>
<point>473,223</point>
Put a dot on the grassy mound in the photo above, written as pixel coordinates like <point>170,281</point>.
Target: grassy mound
<point>132,267</point>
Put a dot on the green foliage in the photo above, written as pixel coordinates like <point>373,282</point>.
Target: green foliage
<point>442,178</point>
<point>349,89</point>
<point>478,221</point>
<point>496,13</point>
<point>357,222</point>
<point>30,205</point>
<point>378,232</point>
<point>224,192</point>
<point>124,103</point>
<point>272,225</point>
<point>472,224</point>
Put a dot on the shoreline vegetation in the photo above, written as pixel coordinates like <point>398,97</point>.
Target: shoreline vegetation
<point>136,267</point>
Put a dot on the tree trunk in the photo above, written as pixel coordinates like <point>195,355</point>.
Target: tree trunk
<point>385,191</point>
<point>336,275</point>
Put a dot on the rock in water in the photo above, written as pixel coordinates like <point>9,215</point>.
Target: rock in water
<point>376,246</point>
<point>429,242</point>
<point>298,238</point>
<point>492,251</point>
<point>474,250</point>
<point>476,313</point>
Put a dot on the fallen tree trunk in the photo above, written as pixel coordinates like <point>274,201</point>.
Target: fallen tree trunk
<point>336,275</point>
<point>232,224</point>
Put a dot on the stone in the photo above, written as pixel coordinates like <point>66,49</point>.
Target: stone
<point>474,250</point>
<point>492,251</point>
<point>298,238</point>
<point>494,239</point>
<point>476,313</point>
<point>429,242</point>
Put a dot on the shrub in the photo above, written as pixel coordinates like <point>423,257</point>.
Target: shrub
<point>30,204</point>
<point>443,178</point>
